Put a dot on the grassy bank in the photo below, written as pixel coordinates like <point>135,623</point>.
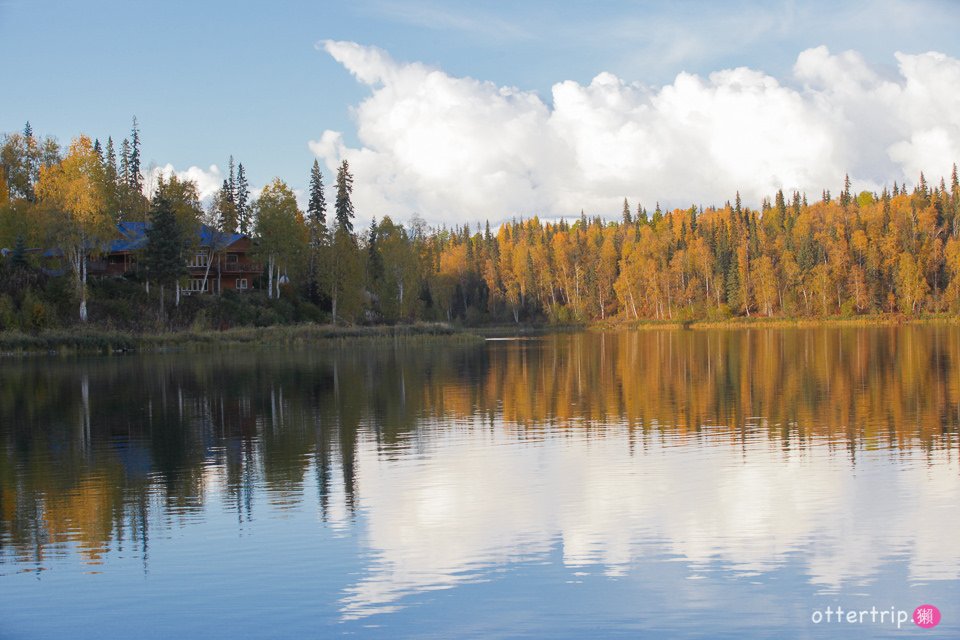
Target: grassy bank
<point>92,341</point>
<point>761,322</point>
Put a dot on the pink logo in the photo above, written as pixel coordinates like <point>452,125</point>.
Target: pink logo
<point>926,616</point>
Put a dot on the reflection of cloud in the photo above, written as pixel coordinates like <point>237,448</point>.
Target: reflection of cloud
<point>477,497</point>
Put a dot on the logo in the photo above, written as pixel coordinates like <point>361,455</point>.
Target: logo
<point>926,616</point>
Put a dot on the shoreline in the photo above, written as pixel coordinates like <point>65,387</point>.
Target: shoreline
<point>94,341</point>
<point>91,341</point>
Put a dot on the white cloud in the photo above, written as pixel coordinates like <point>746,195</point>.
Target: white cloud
<point>455,149</point>
<point>208,181</point>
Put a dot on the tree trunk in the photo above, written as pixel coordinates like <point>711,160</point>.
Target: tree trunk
<point>334,301</point>
<point>83,286</point>
<point>176,297</point>
<point>270,278</point>
<point>206,273</point>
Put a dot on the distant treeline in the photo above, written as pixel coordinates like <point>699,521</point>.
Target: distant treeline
<point>891,252</point>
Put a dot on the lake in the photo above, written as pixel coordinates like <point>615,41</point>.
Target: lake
<point>663,483</point>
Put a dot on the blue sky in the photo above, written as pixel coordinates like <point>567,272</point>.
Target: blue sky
<point>211,79</point>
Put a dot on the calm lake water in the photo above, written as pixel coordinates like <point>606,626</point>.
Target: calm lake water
<point>655,484</point>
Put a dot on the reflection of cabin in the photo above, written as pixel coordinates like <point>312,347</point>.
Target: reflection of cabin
<point>232,266</point>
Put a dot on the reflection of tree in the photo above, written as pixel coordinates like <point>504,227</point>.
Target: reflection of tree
<point>102,451</point>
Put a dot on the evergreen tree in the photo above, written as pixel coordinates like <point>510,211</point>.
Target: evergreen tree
<point>19,257</point>
<point>27,130</point>
<point>374,258</point>
<point>845,197</point>
<point>231,180</point>
<point>225,209</point>
<point>134,179</point>
<point>242,200</point>
<point>110,161</point>
<point>163,256</point>
<point>317,204</point>
<point>97,149</point>
<point>317,223</point>
<point>641,215</point>
<point>343,206</point>
<point>125,162</point>
<point>627,220</point>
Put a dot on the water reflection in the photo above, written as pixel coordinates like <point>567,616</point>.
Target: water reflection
<point>833,449</point>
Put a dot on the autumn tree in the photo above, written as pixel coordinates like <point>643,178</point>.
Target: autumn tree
<point>71,192</point>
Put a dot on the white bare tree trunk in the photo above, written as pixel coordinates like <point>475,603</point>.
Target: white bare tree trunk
<point>206,274</point>
<point>83,286</point>
<point>270,277</point>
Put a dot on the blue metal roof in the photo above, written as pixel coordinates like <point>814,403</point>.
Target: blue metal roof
<point>133,237</point>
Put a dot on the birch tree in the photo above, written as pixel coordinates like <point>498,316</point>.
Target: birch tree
<point>72,193</point>
<point>281,232</point>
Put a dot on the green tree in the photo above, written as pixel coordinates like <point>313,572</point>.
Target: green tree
<point>319,238</point>
<point>281,232</point>
<point>400,274</point>
<point>317,203</point>
<point>241,199</point>
<point>134,177</point>
<point>344,205</point>
<point>225,209</point>
<point>164,254</point>
<point>184,201</point>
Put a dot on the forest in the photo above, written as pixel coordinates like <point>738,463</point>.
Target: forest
<point>893,252</point>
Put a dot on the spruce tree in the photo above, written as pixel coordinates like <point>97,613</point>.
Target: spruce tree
<point>134,179</point>
<point>226,209</point>
<point>125,162</point>
<point>97,149</point>
<point>317,204</point>
<point>231,181</point>
<point>110,162</point>
<point>163,256</point>
<point>344,207</point>
<point>19,258</point>
<point>241,199</point>
<point>641,215</point>
<point>27,130</point>
<point>845,197</point>
<point>626,213</point>
<point>375,269</point>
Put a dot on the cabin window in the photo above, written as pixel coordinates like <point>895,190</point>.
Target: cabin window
<point>198,285</point>
<point>199,260</point>
<point>242,283</point>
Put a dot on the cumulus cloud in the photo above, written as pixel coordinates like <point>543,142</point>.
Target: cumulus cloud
<point>454,149</point>
<point>208,180</point>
